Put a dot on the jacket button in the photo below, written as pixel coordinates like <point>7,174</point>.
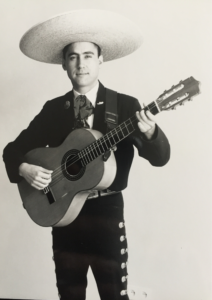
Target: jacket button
<point>123,251</point>
<point>123,292</point>
<point>123,265</point>
<point>121,224</point>
<point>122,238</point>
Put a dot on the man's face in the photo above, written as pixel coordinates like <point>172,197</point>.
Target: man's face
<point>82,65</point>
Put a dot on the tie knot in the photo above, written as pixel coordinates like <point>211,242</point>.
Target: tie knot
<point>83,108</point>
<point>81,99</point>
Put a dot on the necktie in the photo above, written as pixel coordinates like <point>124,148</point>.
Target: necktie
<point>83,108</point>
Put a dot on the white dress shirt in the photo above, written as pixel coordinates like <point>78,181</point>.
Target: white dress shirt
<point>91,95</point>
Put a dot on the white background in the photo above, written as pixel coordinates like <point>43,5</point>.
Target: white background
<point>167,210</point>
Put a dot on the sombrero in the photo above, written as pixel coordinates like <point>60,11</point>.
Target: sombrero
<point>116,35</point>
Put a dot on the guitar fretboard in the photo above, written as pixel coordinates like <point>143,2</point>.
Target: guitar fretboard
<point>112,138</point>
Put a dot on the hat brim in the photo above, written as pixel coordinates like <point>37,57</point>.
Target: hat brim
<point>116,35</point>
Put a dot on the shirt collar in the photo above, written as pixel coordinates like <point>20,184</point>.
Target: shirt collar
<point>91,95</point>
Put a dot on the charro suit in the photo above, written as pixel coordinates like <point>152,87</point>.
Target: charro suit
<point>56,120</point>
<point>96,237</point>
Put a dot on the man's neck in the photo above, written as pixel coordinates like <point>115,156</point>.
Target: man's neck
<point>84,89</point>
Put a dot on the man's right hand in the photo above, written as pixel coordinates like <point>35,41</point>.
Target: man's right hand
<point>36,176</point>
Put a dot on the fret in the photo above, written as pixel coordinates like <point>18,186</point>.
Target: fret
<point>121,135</point>
<point>116,136</point>
<point>108,141</point>
<point>85,156</point>
<point>111,145</point>
<point>111,139</point>
<point>89,155</point>
<point>130,128</point>
<point>98,150</point>
<point>131,125</point>
<point>94,148</point>
<point>153,107</point>
<point>126,128</point>
<point>103,144</point>
<point>121,131</point>
<point>106,144</point>
<point>92,154</point>
<point>100,146</point>
<point>112,136</point>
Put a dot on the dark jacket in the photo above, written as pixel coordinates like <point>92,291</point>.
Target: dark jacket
<point>55,121</point>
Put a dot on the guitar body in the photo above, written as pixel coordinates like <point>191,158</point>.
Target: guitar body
<point>70,186</point>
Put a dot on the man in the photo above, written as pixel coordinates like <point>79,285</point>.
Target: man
<point>97,237</point>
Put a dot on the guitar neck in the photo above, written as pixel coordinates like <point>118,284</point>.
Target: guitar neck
<point>113,137</point>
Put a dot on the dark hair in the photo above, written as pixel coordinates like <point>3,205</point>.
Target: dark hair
<point>66,48</point>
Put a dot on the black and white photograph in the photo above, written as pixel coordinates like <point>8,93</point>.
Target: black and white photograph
<point>106,170</point>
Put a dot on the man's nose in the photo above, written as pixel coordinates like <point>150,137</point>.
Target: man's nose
<point>80,62</point>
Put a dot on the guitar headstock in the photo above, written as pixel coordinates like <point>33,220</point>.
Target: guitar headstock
<point>178,94</point>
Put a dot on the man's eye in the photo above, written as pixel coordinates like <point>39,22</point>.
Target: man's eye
<point>88,56</point>
<point>72,57</point>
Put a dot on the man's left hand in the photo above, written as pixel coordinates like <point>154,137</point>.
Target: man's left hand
<point>146,123</point>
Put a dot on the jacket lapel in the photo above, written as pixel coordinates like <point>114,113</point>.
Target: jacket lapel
<point>68,110</point>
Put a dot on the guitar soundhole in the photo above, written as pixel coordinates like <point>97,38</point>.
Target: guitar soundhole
<point>72,166</point>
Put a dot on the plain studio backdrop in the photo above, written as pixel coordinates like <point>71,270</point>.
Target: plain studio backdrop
<point>167,210</point>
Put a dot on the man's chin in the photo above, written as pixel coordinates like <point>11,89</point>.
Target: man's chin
<point>83,83</point>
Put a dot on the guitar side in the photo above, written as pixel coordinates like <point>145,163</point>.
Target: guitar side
<point>67,193</point>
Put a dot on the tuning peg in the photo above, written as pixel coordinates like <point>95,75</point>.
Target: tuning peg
<point>174,108</point>
<point>182,103</point>
<point>190,99</point>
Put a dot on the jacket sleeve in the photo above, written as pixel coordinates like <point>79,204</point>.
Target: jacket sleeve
<point>36,135</point>
<point>156,150</point>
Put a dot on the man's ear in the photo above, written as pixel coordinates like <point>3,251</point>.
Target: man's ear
<point>64,64</point>
<point>100,59</point>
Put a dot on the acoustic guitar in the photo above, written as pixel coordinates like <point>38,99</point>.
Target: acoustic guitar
<point>80,166</point>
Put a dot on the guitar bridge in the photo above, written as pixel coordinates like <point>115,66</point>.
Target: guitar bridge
<point>49,195</point>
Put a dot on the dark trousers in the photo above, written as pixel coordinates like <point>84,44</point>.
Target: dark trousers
<point>97,238</point>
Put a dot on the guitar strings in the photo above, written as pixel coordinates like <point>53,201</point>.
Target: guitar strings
<point>90,148</point>
<point>58,172</point>
<point>112,133</point>
<point>99,142</point>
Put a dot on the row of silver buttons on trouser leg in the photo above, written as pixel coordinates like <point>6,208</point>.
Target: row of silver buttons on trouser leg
<point>124,264</point>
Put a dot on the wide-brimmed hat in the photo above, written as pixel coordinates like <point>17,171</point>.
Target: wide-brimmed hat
<point>116,35</point>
